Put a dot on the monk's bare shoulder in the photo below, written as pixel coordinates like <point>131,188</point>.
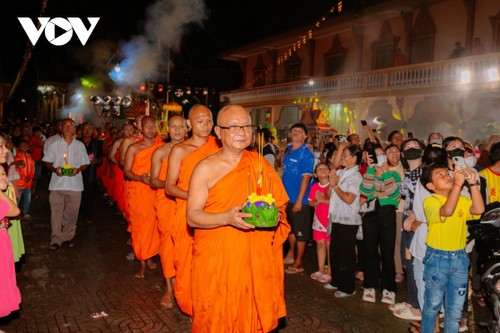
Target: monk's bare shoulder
<point>162,152</point>
<point>182,149</point>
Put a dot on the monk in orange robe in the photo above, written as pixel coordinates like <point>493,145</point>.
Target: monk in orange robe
<point>181,162</point>
<point>165,205</point>
<point>237,269</point>
<point>117,172</point>
<point>141,197</point>
<point>137,136</point>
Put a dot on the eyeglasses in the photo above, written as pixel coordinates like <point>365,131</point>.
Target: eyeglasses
<point>236,129</point>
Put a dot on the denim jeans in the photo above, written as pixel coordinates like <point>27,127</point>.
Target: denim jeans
<point>445,275</point>
<point>418,274</point>
<point>25,196</point>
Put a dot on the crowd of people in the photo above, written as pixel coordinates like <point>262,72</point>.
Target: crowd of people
<point>379,211</point>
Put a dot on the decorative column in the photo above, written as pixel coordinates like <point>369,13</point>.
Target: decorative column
<point>470,9</point>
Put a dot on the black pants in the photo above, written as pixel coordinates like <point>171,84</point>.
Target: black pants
<point>343,256</point>
<point>379,232</point>
<point>87,199</point>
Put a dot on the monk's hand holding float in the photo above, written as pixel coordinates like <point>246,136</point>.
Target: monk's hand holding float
<point>234,217</point>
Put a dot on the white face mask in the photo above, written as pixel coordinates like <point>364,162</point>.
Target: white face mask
<point>381,159</point>
<point>436,141</point>
<point>317,154</point>
<point>470,161</point>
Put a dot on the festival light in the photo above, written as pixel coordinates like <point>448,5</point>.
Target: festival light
<point>493,74</point>
<point>465,77</point>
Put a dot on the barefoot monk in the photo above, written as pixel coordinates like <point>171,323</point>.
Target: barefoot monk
<point>238,273</point>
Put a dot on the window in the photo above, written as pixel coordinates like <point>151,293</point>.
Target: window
<point>292,68</point>
<point>335,58</point>
<point>422,37</point>
<point>383,56</point>
<point>422,49</point>
<point>495,25</point>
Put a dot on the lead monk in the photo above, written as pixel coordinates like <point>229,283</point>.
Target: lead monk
<point>237,270</point>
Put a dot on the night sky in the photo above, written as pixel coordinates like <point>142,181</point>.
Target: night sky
<point>229,24</point>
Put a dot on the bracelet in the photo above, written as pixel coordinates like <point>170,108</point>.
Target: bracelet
<point>474,184</point>
<point>335,187</point>
<point>455,184</point>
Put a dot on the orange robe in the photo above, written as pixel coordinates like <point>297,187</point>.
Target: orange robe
<point>165,211</point>
<point>141,198</point>
<point>238,276</point>
<point>119,185</point>
<point>183,235</point>
<point>127,204</point>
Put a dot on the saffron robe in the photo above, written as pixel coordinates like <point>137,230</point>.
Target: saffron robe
<point>165,212</point>
<point>119,185</point>
<point>183,234</point>
<point>141,198</point>
<point>238,275</point>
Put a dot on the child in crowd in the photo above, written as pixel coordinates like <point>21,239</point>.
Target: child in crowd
<point>446,261</point>
<point>318,200</point>
<point>26,171</point>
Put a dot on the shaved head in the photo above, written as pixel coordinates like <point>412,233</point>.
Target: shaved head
<point>196,109</point>
<point>226,112</point>
<point>176,117</point>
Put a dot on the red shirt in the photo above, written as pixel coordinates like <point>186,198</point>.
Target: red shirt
<point>36,148</point>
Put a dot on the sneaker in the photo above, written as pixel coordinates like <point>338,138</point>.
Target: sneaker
<point>316,275</point>
<point>461,328</point>
<point>130,256</point>
<point>398,306</point>
<point>388,297</point>
<point>407,314</point>
<point>329,286</point>
<point>369,295</point>
<point>341,294</point>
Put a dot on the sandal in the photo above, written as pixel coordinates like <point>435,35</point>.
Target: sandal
<point>294,270</point>
<point>325,278</point>
<point>316,275</point>
<point>341,294</point>
<point>54,247</point>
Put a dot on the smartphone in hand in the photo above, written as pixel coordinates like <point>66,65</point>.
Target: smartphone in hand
<point>460,164</point>
<point>372,155</point>
<point>363,122</point>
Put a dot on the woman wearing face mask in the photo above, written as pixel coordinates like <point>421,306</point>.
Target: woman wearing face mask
<point>379,230</point>
<point>411,151</point>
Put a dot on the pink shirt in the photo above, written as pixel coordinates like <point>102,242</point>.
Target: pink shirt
<point>321,210</point>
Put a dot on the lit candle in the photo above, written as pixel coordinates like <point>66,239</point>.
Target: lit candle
<point>65,159</point>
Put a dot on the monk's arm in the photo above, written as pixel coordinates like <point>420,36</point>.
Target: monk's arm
<point>197,217</point>
<point>174,168</point>
<point>156,161</point>
<point>112,151</point>
<point>127,166</point>
<point>123,151</point>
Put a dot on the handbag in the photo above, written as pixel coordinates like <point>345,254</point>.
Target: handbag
<point>369,208</point>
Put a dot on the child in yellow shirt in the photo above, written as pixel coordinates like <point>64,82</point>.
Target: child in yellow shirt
<point>446,262</point>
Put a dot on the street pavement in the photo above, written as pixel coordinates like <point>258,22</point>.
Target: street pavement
<point>61,290</point>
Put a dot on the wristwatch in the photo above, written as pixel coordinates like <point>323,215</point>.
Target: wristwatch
<point>475,184</point>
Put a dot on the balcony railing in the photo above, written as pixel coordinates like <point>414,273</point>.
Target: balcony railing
<point>473,72</point>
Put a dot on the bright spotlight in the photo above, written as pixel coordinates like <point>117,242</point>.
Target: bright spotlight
<point>493,74</point>
<point>465,77</point>
<point>311,82</point>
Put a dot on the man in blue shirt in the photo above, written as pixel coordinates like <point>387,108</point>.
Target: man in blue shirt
<point>297,172</point>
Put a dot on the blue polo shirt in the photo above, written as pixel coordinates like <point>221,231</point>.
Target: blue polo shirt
<point>296,164</point>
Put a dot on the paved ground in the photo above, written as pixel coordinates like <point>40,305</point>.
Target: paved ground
<point>62,289</point>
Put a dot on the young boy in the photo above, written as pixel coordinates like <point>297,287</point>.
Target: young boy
<point>446,262</point>
<point>26,172</point>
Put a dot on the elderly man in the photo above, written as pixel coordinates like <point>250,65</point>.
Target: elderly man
<point>237,269</point>
<point>65,190</point>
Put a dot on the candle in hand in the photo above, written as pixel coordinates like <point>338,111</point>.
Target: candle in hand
<point>65,159</point>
